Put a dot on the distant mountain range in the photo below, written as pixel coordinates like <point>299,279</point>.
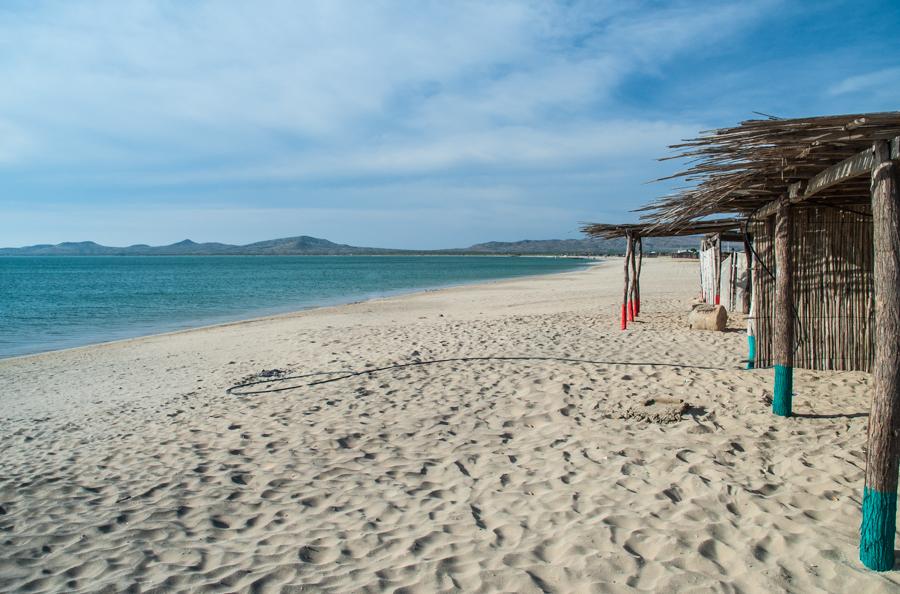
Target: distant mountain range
<point>590,246</point>
<point>313,246</point>
<point>302,245</point>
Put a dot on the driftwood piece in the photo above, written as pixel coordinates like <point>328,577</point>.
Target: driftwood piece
<point>708,317</point>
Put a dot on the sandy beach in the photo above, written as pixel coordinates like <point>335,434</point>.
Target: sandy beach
<point>127,467</point>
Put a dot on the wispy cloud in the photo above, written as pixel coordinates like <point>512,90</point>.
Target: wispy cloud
<point>886,80</point>
<point>513,102</point>
<point>147,81</point>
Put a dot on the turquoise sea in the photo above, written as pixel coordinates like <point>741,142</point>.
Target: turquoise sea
<point>49,303</point>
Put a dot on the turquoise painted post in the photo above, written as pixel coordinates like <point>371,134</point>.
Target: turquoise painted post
<point>751,321</point>
<point>879,509</point>
<point>784,385</point>
<point>876,534</point>
<point>783,342</point>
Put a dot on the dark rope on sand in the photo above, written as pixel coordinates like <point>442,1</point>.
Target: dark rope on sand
<point>238,389</point>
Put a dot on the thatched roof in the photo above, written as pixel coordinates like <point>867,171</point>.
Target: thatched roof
<point>613,231</point>
<point>739,170</point>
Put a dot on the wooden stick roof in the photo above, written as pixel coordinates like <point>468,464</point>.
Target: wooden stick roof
<point>740,170</point>
<point>613,231</point>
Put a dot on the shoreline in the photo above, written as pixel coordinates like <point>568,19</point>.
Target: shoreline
<point>388,255</point>
<point>591,262</point>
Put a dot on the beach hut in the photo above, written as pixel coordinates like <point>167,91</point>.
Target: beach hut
<point>819,197</point>
<point>713,284</point>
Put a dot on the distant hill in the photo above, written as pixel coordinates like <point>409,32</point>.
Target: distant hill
<point>588,246</point>
<point>313,246</point>
<point>302,245</point>
<point>309,245</point>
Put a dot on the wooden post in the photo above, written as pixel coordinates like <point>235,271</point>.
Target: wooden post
<point>784,311</point>
<point>627,287</point>
<point>748,287</point>
<point>632,296</point>
<point>748,303</point>
<point>879,508</point>
<point>702,269</point>
<point>718,267</point>
<point>751,338</point>
<point>637,276</point>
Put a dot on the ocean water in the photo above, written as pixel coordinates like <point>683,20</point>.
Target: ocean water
<point>49,303</point>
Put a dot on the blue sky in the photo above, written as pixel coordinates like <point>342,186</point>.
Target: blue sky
<point>400,124</point>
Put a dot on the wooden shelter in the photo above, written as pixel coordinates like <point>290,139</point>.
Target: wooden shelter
<point>718,231</point>
<point>820,197</point>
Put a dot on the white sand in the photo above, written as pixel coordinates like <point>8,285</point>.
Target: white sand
<point>126,467</point>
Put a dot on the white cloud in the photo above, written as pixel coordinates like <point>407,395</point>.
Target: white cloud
<point>143,83</point>
<point>503,149</point>
<point>385,123</point>
<point>883,81</point>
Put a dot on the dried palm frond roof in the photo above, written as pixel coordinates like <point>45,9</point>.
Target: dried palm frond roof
<point>741,169</point>
<point>613,231</point>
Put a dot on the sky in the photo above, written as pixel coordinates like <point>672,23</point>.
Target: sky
<point>411,124</point>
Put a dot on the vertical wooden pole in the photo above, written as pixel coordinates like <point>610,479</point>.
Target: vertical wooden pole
<point>751,337</point>
<point>748,302</point>
<point>879,509</point>
<point>765,317</point>
<point>748,286</point>
<point>707,270</point>
<point>784,310</point>
<point>632,298</point>
<point>627,287</point>
<point>637,276</point>
<point>718,267</point>
<point>702,269</point>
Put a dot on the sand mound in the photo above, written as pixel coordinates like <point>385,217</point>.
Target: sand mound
<point>661,410</point>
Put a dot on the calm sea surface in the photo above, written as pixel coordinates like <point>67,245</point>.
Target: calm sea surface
<point>49,303</point>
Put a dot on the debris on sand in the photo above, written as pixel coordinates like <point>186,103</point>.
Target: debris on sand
<point>661,410</point>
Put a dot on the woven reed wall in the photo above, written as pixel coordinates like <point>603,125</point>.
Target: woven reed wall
<point>833,294</point>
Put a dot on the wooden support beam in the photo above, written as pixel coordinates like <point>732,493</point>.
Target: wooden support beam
<point>879,508</point>
<point>784,310</point>
<point>859,164</point>
<point>767,211</point>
